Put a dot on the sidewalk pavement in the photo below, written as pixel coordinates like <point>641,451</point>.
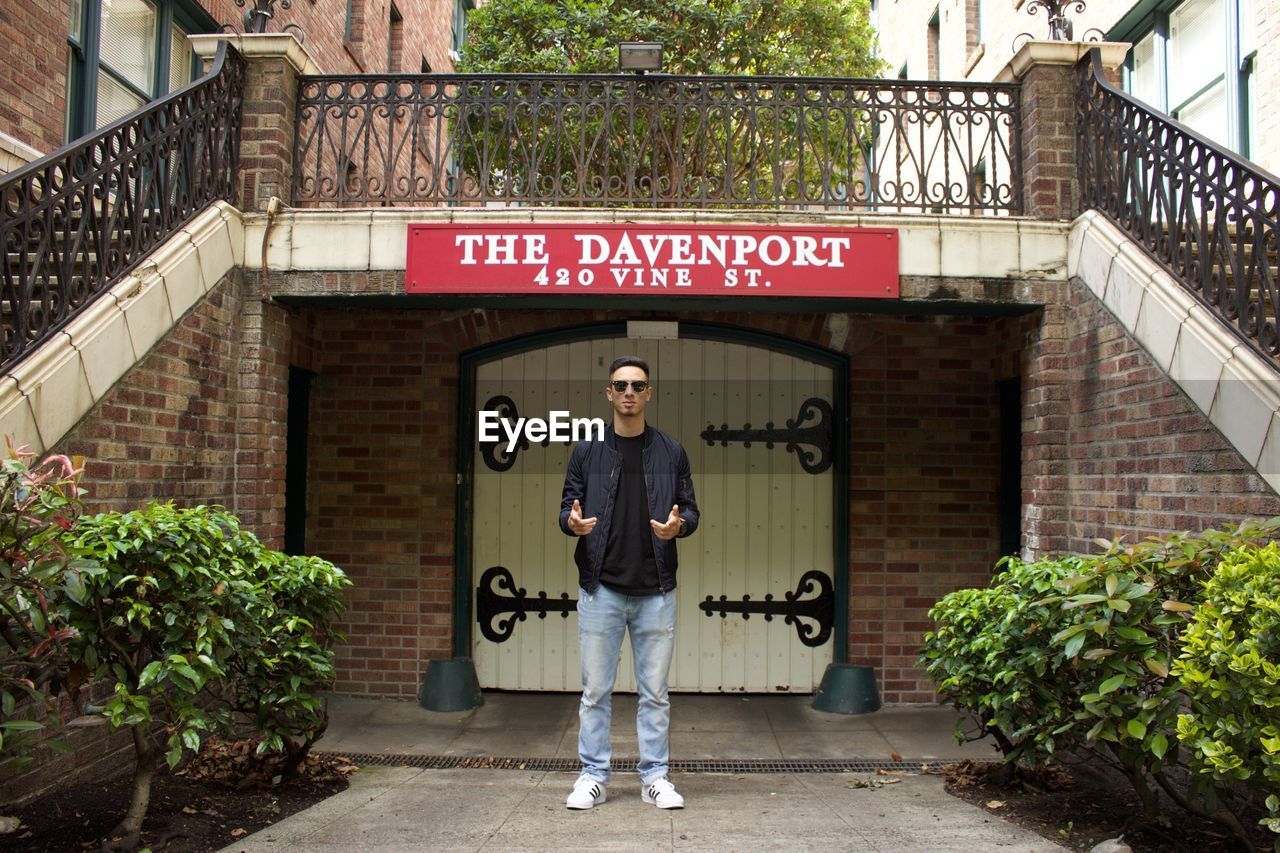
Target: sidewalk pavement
<point>401,808</point>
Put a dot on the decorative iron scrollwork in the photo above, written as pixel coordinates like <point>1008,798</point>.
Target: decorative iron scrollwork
<point>495,453</point>
<point>1208,216</point>
<point>820,610</point>
<point>257,18</point>
<point>491,604</point>
<point>1061,27</point>
<point>817,436</point>
<point>74,222</point>
<point>583,140</point>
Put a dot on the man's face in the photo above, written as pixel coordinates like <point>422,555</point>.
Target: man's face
<point>629,402</point>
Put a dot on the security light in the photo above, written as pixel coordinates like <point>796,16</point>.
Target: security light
<point>639,56</point>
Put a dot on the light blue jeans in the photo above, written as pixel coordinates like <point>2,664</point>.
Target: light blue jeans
<point>603,615</point>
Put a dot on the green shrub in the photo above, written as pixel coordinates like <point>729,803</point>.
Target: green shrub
<point>284,655</point>
<point>1130,609</point>
<point>1230,671</point>
<point>38,502</point>
<point>1091,664</point>
<point>202,628</point>
<point>990,655</point>
<point>161,616</point>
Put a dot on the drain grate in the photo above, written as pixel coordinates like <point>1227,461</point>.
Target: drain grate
<point>571,765</point>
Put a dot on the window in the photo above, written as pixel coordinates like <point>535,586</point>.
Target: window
<point>395,40</point>
<point>353,28</point>
<point>139,52</point>
<point>935,47</point>
<point>1194,60</point>
<point>460,9</point>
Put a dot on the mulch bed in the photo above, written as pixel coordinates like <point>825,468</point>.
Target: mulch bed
<point>1082,806</point>
<point>224,794</point>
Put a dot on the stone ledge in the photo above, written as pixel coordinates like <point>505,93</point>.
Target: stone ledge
<point>48,392</point>
<point>375,239</point>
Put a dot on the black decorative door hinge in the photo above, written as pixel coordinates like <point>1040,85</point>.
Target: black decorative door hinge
<point>819,611</point>
<point>495,453</point>
<point>817,436</point>
<point>491,604</point>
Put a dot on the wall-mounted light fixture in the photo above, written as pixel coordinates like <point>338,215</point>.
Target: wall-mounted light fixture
<point>639,56</point>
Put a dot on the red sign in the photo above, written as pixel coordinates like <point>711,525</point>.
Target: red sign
<point>521,257</point>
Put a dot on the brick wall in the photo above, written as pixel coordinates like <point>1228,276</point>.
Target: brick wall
<point>923,477</point>
<point>201,418</point>
<point>167,430</point>
<point>1265,141</point>
<point>1143,458</point>
<point>1110,448</point>
<point>33,72</point>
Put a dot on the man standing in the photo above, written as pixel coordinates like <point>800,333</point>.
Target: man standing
<point>627,498</point>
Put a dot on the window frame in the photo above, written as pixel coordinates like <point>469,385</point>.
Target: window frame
<point>85,58</point>
<point>460,10</point>
<point>1151,18</point>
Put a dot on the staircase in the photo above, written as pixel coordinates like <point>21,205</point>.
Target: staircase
<point>88,235</point>
<point>1179,240</point>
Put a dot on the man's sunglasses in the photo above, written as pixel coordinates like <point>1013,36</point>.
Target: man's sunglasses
<point>620,385</point>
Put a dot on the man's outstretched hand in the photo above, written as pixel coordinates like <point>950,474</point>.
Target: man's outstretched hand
<point>579,525</point>
<point>668,530</point>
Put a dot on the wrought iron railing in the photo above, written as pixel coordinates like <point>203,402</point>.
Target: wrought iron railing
<point>657,141</point>
<point>74,222</point>
<point>1206,214</point>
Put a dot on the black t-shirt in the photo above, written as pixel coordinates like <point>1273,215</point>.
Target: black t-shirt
<point>629,567</point>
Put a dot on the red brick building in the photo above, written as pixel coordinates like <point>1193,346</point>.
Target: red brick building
<point>71,66</point>
<point>1033,382</point>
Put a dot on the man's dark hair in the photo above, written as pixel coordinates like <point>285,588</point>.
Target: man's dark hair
<point>629,361</point>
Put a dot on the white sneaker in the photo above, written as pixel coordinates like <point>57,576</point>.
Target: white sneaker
<point>662,794</point>
<point>586,793</point>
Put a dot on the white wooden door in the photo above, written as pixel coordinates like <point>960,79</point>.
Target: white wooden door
<point>767,519</point>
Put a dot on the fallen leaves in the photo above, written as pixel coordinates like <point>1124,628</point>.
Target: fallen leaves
<point>238,765</point>
<point>871,783</point>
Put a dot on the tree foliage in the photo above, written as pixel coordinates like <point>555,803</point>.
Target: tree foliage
<point>39,501</point>
<point>284,651</point>
<point>812,38</point>
<point>1230,670</point>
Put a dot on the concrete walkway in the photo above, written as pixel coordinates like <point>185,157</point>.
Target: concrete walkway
<point>399,808</point>
<point>545,725</point>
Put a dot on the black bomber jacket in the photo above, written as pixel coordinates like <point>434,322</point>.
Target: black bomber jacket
<point>592,480</point>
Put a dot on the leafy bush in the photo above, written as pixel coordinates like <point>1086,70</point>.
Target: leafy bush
<point>196,622</point>
<point>1090,665</point>
<point>38,502</point>
<point>990,655</point>
<point>284,654</point>
<point>159,616</point>
<point>1230,671</point>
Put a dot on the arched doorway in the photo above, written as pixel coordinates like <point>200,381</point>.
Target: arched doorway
<point>762,584</point>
